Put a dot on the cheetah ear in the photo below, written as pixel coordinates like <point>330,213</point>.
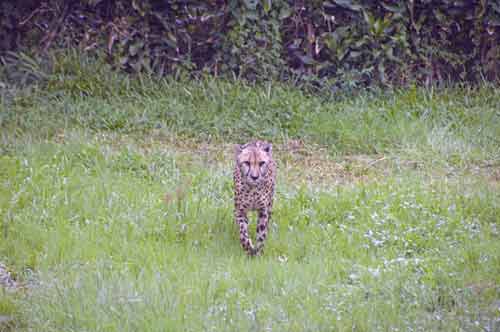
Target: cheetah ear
<point>268,147</point>
<point>237,149</point>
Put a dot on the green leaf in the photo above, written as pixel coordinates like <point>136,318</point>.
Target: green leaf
<point>495,6</point>
<point>171,40</point>
<point>306,59</point>
<point>123,60</point>
<point>355,54</point>
<point>368,18</point>
<point>285,12</point>
<point>399,8</point>
<point>251,4</point>
<point>267,5</point>
<point>330,42</point>
<point>349,4</point>
<point>360,43</point>
<point>252,16</point>
<point>495,22</point>
<point>381,71</point>
<point>94,2</point>
<point>439,15</point>
<point>134,48</point>
<point>340,33</point>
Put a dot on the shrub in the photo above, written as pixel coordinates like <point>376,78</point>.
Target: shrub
<point>337,43</point>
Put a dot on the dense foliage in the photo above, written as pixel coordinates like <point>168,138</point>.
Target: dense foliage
<point>336,43</point>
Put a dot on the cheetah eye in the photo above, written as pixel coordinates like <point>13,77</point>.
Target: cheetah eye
<point>262,163</point>
<point>246,163</point>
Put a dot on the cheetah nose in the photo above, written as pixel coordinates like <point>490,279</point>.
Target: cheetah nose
<point>254,177</point>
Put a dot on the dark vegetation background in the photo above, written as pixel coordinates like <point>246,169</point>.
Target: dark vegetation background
<point>337,45</point>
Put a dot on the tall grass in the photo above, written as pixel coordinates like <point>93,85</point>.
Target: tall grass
<point>456,123</point>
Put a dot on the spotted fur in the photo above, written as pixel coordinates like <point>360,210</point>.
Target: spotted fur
<point>254,180</point>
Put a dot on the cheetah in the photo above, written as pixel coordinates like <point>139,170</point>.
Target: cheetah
<point>254,180</point>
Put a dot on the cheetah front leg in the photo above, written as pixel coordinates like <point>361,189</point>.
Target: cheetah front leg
<point>246,242</point>
<point>264,215</point>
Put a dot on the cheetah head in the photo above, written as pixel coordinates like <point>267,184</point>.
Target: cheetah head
<point>253,161</point>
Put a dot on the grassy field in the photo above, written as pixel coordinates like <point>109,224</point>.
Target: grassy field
<point>116,209</point>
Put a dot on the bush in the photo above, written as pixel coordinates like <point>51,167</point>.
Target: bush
<point>338,44</point>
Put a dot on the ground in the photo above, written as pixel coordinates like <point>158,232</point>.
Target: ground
<point>114,229</point>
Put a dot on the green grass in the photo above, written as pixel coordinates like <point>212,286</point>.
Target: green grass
<point>459,124</point>
<point>116,209</point>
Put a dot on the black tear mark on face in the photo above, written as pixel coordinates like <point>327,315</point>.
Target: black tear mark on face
<point>245,168</point>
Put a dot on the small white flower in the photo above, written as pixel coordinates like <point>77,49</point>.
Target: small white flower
<point>282,258</point>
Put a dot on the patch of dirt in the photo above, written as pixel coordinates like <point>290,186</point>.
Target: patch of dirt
<point>298,161</point>
<point>319,168</point>
<point>489,170</point>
